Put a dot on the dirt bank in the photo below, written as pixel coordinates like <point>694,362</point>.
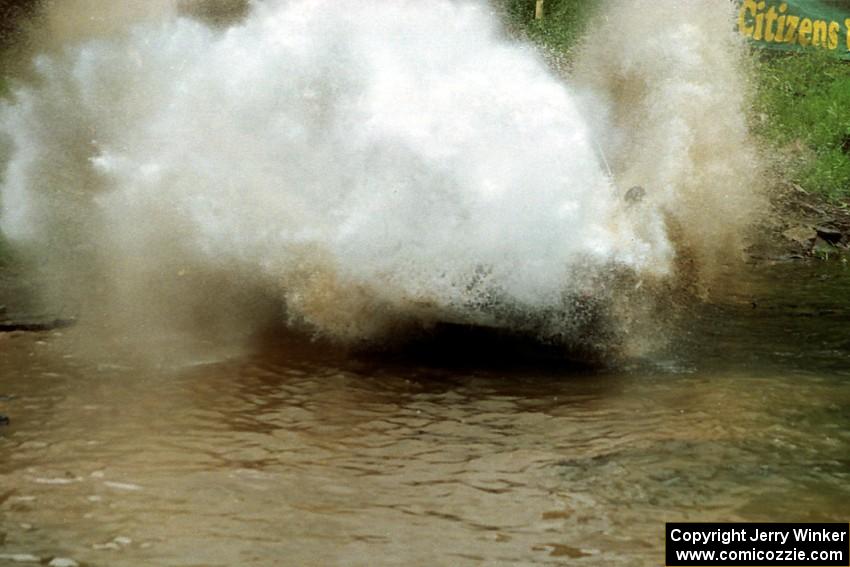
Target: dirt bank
<point>801,225</point>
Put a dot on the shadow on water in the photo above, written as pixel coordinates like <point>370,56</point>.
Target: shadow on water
<point>785,317</point>
<point>460,347</point>
<point>450,358</point>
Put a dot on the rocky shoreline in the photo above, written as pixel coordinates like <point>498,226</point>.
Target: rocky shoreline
<point>801,226</point>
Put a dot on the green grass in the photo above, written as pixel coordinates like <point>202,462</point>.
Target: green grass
<point>803,99</point>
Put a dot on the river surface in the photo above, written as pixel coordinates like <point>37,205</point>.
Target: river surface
<point>296,455</point>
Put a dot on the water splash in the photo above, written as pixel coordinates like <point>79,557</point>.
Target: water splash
<point>367,164</point>
<point>669,100</point>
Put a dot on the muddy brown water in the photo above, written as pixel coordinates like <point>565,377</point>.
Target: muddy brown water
<point>292,455</point>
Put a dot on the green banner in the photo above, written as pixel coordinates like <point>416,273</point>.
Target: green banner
<point>797,24</point>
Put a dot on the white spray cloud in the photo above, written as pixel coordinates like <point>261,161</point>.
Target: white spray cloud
<point>367,162</point>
